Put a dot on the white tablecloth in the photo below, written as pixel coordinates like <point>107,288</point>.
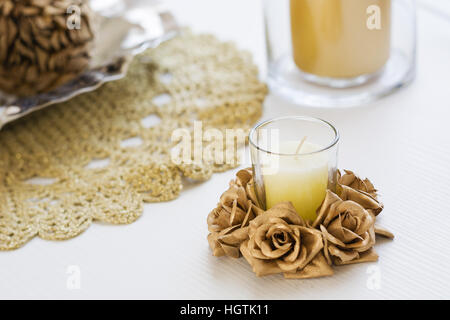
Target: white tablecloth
<point>402,143</point>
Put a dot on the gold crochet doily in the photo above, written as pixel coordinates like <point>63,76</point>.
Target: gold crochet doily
<point>190,78</point>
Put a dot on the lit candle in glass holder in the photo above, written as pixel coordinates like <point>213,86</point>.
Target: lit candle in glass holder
<point>294,159</point>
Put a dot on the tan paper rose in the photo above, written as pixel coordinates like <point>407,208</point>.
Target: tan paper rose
<point>228,222</point>
<point>351,180</point>
<point>280,242</point>
<point>348,231</point>
<point>351,187</point>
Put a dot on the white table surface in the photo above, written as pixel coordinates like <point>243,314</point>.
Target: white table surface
<point>402,143</point>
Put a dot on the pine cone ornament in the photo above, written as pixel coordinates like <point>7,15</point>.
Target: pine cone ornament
<point>43,44</point>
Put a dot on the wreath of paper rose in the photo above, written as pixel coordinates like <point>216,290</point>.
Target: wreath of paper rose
<point>280,241</point>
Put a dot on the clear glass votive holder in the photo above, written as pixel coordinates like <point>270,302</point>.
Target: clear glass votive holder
<point>294,159</point>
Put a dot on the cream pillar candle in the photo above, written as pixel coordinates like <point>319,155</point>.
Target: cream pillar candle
<point>341,38</point>
<point>301,179</point>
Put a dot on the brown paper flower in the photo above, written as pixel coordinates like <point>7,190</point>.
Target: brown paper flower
<point>348,231</point>
<point>351,180</point>
<point>229,220</point>
<point>280,242</point>
<point>379,231</point>
<point>351,187</point>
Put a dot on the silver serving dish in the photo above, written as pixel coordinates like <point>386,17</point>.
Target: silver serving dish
<point>125,28</point>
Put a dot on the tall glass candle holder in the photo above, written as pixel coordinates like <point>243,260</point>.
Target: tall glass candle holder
<point>294,159</point>
<point>337,53</point>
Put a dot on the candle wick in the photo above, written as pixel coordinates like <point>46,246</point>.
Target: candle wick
<point>301,145</point>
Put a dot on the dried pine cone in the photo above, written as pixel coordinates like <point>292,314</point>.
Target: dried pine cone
<point>41,46</point>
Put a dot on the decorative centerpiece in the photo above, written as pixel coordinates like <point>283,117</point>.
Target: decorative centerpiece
<point>279,240</point>
<point>43,44</point>
<point>294,213</point>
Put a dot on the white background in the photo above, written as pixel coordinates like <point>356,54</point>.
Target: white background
<point>402,143</point>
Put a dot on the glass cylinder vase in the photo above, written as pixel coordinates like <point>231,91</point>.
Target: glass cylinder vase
<point>338,53</point>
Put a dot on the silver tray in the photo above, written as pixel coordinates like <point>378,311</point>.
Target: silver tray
<point>126,28</point>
